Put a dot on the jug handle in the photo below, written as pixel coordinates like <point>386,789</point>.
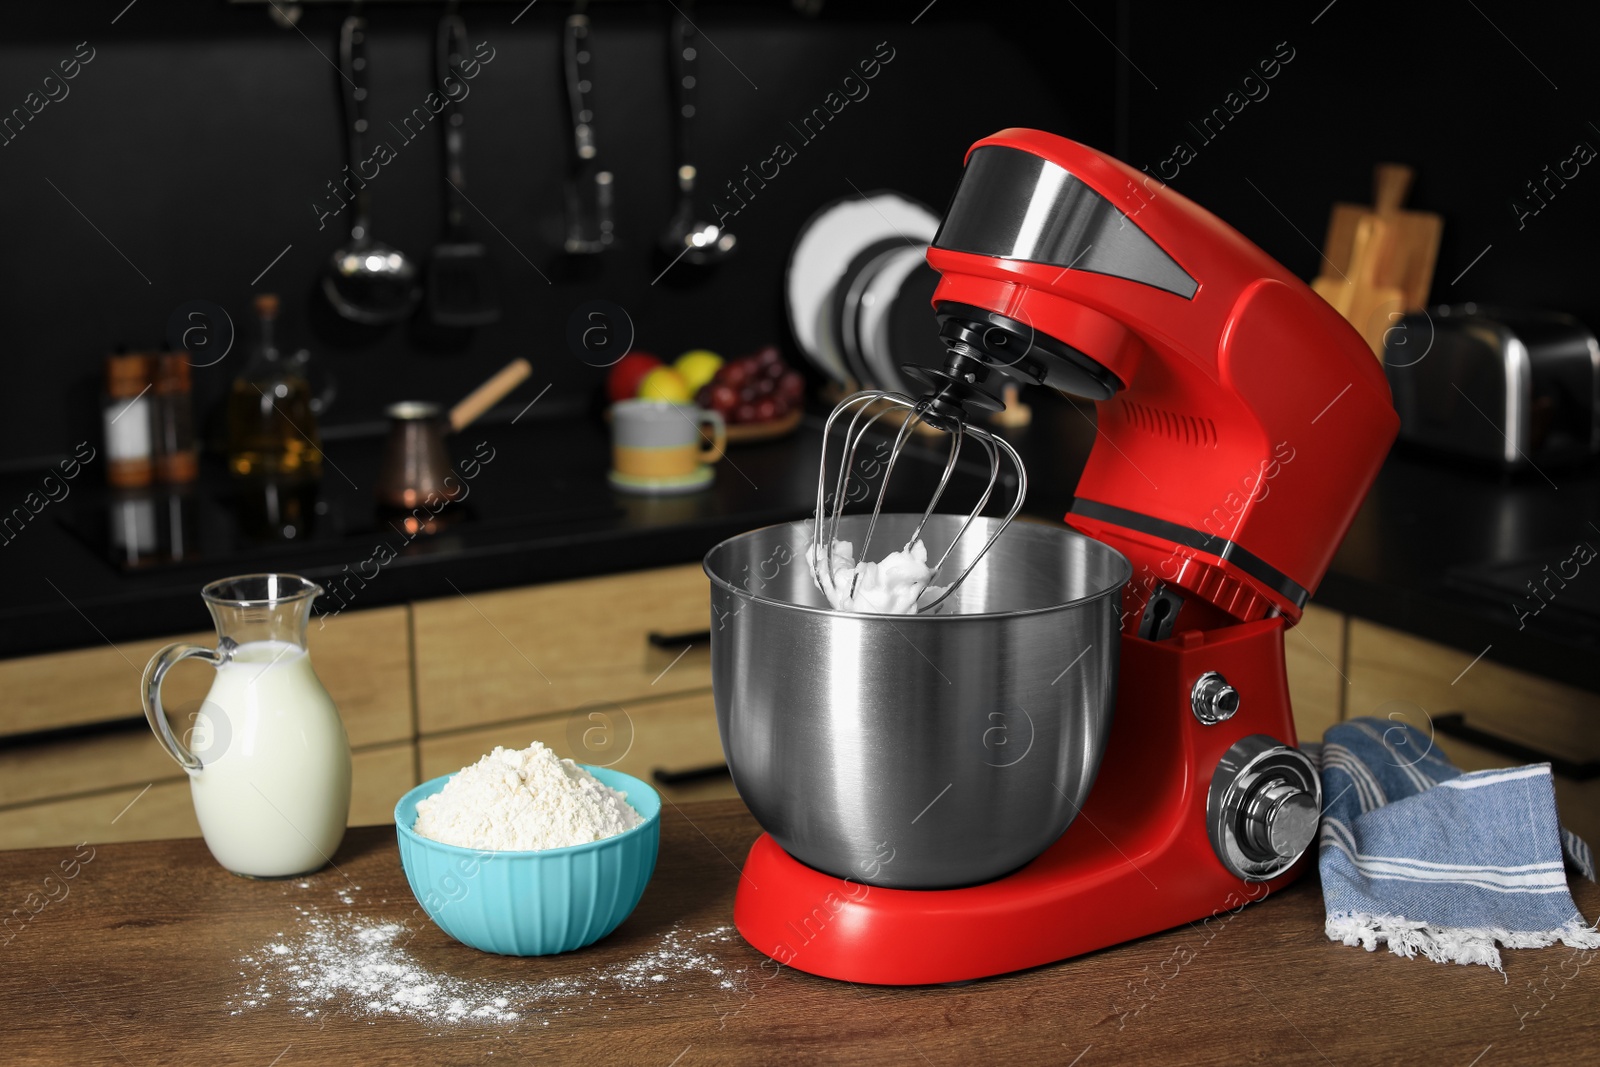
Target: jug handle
<point>154,672</point>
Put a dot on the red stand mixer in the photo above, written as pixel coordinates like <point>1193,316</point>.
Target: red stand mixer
<point>1240,423</point>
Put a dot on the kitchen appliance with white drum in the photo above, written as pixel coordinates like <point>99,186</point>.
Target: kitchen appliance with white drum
<point>1088,738</point>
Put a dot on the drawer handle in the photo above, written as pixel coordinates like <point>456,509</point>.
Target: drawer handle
<point>694,774</point>
<point>694,637</point>
<point>1454,724</point>
<point>55,734</point>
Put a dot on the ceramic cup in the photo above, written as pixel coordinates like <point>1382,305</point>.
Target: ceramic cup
<point>660,447</point>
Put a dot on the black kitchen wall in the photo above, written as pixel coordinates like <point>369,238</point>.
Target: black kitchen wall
<point>1478,97</point>
<point>189,150</point>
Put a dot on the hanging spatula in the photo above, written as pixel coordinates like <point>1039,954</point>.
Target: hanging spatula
<point>462,287</point>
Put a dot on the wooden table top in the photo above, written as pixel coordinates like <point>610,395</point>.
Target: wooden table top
<point>150,953</point>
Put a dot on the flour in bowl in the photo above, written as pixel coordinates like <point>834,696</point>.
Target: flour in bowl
<point>524,799</point>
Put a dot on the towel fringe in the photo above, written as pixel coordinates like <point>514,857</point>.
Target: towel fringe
<point>1451,944</point>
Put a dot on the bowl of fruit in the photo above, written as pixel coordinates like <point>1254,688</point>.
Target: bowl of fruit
<point>759,395</point>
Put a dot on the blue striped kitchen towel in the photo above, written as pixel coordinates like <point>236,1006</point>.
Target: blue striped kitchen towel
<point>1417,854</point>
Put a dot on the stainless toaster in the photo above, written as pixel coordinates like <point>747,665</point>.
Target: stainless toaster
<point>1513,387</point>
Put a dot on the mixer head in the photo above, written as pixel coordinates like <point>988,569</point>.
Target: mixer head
<point>1213,369</point>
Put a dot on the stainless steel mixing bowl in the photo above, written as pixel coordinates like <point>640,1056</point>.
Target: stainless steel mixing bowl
<point>917,751</point>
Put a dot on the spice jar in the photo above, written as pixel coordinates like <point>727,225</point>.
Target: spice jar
<point>126,412</point>
<point>176,460</point>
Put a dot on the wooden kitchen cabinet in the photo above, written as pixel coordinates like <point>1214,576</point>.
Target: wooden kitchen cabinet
<point>379,775</point>
<point>473,663</point>
<point>571,664</point>
<point>128,756</point>
<point>1415,681</point>
<point>518,653</point>
<point>362,657</point>
<point>1313,652</point>
<point>635,737</point>
<point>63,789</point>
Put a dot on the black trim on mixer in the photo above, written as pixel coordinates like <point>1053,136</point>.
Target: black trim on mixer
<point>1189,537</point>
<point>1024,352</point>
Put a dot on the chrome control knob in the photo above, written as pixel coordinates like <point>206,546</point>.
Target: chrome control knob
<point>1280,820</point>
<point>1263,808</point>
<point>1213,699</point>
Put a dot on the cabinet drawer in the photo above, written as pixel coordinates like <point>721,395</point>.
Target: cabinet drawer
<point>676,734</point>
<point>378,777</point>
<point>1313,652</point>
<point>1415,680</point>
<point>362,657</point>
<point>513,654</point>
<point>164,810</point>
<point>130,756</point>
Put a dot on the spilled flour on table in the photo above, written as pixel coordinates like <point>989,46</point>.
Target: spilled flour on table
<point>333,963</point>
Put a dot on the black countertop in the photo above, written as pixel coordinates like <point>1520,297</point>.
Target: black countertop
<point>539,509</point>
<point>1436,550</point>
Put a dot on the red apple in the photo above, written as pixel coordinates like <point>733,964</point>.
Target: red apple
<point>622,381</point>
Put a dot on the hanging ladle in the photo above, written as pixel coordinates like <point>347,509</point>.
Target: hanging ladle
<point>687,236</point>
<point>366,281</point>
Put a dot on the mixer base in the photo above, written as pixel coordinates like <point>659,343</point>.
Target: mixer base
<point>1136,861</point>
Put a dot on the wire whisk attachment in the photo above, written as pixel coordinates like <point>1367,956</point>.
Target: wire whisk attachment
<point>924,595</point>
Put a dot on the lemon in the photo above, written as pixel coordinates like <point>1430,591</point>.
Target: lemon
<point>664,383</point>
<point>698,366</point>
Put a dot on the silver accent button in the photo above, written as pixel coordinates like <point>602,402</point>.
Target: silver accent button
<point>1213,699</point>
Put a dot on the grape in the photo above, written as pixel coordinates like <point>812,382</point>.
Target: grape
<point>745,412</point>
<point>724,398</point>
<point>793,387</point>
<point>766,409</point>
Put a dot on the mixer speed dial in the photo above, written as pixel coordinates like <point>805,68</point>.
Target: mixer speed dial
<point>1263,809</point>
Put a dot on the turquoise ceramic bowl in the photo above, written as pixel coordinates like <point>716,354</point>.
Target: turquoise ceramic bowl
<point>532,903</point>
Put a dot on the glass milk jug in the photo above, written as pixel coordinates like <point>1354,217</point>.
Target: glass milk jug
<point>269,766</point>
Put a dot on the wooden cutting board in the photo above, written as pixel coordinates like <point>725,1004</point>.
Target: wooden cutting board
<point>1366,303</point>
<point>1414,236</point>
